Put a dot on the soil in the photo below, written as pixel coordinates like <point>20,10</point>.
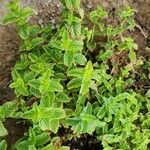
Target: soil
<point>49,11</point>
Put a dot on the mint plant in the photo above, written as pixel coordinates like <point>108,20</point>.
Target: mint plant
<point>66,79</point>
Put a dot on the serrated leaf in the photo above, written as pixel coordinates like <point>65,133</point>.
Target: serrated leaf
<point>69,58</point>
<point>3,145</point>
<point>55,86</point>
<point>35,92</point>
<point>80,59</point>
<point>33,58</point>
<point>3,131</point>
<point>132,56</point>
<point>47,100</point>
<point>45,82</point>
<point>61,97</point>
<point>42,139</point>
<point>73,121</point>
<point>9,18</point>
<point>74,83</point>
<point>35,83</point>
<point>20,87</point>
<point>87,78</point>
<point>72,4</point>
<point>47,124</point>
<point>24,31</point>
<point>76,73</point>
<point>148,93</point>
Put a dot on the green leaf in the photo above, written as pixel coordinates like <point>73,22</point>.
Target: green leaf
<point>69,58</point>
<point>87,78</point>
<point>74,83</point>
<point>106,55</point>
<point>55,113</point>
<point>20,87</point>
<point>80,59</point>
<point>3,145</point>
<point>48,147</point>
<point>73,121</point>
<point>47,124</point>
<point>98,14</point>
<point>72,4</point>
<point>8,109</point>
<point>3,131</point>
<point>33,58</point>
<point>76,73</point>
<point>9,18</point>
<point>48,99</point>
<point>42,139</point>
<point>35,92</point>
<point>55,86</point>
<point>45,82</point>
<point>148,93</point>
<point>61,97</point>
<point>35,83</point>
<point>24,31</point>
<point>23,145</point>
<point>35,42</point>
<point>65,148</point>
<point>132,56</point>
<point>32,147</point>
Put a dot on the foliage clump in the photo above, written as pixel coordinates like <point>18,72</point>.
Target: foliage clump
<point>73,78</point>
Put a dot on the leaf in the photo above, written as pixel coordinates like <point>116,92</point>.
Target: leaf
<point>76,73</point>
<point>32,147</point>
<point>69,58</point>
<point>29,76</point>
<point>9,18</point>
<point>20,87</point>
<point>106,55</point>
<point>55,86</point>
<point>35,83</point>
<point>3,131</point>
<point>33,58</point>
<point>73,121</point>
<point>80,59</point>
<point>61,97</point>
<point>42,139</point>
<point>3,145</point>
<point>72,4</point>
<point>45,82</point>
<point>100,13</point>
<point>8,109</point>
<point>35,92</point>
<point>55,113</point>
<point>24,31</point>
<point>35,42</point>
<point>47,124</point>
<point>148,93</point>
<point>48,147</point>
<point>65,148</point>
<point>87,78</point>
<point>132,56</point>
<point>47,100</point>
<point>23,145</point>
<point>74,83</point>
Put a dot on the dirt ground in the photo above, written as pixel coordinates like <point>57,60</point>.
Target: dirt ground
<point>49,11</point>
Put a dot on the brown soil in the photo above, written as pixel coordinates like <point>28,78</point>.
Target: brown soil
<point>49,11</point>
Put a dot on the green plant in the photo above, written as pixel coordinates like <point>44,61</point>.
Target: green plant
<point>68,79</point>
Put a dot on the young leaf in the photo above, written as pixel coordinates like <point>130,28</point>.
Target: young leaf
<point>3,131</point>
<point>61,97</point>
<point>74,83</point>
<point>87,78</point>
<point>3,145</point>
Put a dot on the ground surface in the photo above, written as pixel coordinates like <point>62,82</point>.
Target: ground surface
<point>49,11</point>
